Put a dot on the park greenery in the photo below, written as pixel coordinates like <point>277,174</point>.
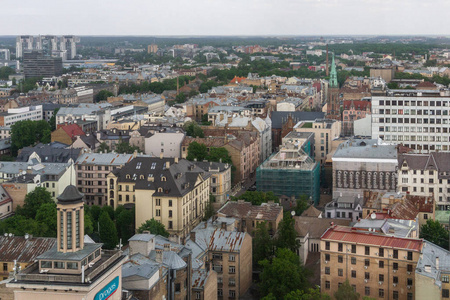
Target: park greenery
<point>28,133</point>
<point>103,95</point>
<point>5,72</point>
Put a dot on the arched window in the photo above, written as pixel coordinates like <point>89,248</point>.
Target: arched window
<point>111,194</point>
<point>160,190</point>
<point>111,181</point>
<point>111,202</point>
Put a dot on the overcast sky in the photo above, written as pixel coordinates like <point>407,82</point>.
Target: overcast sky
<point>220,17</point>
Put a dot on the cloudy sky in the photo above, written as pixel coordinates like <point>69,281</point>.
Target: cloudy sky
<point>220,17</point>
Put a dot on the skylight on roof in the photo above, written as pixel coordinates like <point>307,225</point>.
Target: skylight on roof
<point>138,166</point>
<point>153,166</point>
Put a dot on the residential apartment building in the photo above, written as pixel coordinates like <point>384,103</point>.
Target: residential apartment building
<point>360,164</point>
<point>426,175</point>
<point>173,192</point>
<point>250,216</point>
<point>376,265</point>
<point>418,119</point>
<point>220,181</point>
<point>14,115</point>
<point>163,140</point>
<point>325,131</point>
<point>91,172</point>
<point>242,146</point>
<point>229,254</point>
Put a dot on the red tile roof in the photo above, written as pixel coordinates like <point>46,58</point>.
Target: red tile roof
<point>355,236</point>
<point>359,104</point>
<point>237,79</point>
<point>72,130</point>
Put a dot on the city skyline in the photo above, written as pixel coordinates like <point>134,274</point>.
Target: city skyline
<point>200,17</point>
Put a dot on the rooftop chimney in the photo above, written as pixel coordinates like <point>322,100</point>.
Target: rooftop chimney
<point>161,155</point>
<point>167,164</point>
<point>437,263</point>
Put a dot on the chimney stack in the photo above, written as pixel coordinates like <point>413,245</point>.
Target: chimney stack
<point>167,164</point>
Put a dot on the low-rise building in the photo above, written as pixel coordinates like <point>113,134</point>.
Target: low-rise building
<point>250,216</point>
<point>14,115</point>
<point>66,134</point>
<point>220,180</point>
<point>166,140</point>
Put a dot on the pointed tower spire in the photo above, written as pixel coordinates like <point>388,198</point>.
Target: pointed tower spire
<point>333,74</point>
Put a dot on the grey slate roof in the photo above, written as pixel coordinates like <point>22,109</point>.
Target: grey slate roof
<point>428,257</point>
<point>110,159</point>
<point>367,148</point>
<point>49,153</point>
<point>70,195</point>
<point>280,117</point>
<point>180,178</point>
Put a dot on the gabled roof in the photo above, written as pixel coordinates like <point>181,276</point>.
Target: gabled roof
<point>311,211</point>
<point>245,210</point>
<point>22,249</point>
<point>72,130</point>
<point>354,236</point>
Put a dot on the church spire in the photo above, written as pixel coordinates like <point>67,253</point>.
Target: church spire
<point>333,74</point>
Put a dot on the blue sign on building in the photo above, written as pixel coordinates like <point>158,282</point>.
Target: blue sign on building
<point>108,290</point>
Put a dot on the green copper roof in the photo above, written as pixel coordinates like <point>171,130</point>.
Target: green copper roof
<point>333,74</point>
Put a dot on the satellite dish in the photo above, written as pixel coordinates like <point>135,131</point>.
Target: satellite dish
<point>293,213</point>
<point>373,216</point>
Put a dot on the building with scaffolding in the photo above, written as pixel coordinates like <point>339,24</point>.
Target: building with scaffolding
<point>290,172</point>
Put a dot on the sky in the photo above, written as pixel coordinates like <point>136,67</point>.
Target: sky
<point>225,17</point>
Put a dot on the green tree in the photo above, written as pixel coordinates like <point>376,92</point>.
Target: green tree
<point>209,210</point>
<point>95,211</point>
<point>27,133</point>
<point>88,224</point>
<point>287,235</point>
<point>33,201</point>
<point>53,120</point>
<point>193,129</point>
<point>193,93</point>
<point>19,225</point>
<point>310,294</point>
<point>103,95</point>
<point>5,72</point>
<point>108,232</point>
<point>103,148</point>
<point>125,147</point>
<point>219,154</point>
<point>302,205</point>
<point>257,198</point>
<point>197,151</point>
<point>180,98</point>
<point>46,216</point>
<point>109,210</point>
<point>434,232</point>
<point>154,227</point>
<point>283,274</point>
<point>125,224</point>
<point>262,243</point>
<point>346,292</point>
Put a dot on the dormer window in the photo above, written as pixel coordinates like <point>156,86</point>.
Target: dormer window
<point>163,178</point>
<point>160,190</point>
<point>128,176</point>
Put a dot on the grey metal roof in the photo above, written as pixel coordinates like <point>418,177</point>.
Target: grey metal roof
<point>426,264</point>
<point>139,265</point>
<point>280,117</point>
<point>365,148</point>
<point>111,159</point>
<point>142,237</point>
<point>53,253</point>
<point>70,195</point>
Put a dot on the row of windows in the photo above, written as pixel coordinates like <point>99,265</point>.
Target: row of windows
<point>409,281</point>
<point>381,292</point>
<point>413,103</point>
<point>395,266</point>
<point>380,252</point>
<point>426,120</point>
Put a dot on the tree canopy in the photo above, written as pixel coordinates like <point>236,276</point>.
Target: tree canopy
<point>126,148</point>
<point>287,235</point>
<point>346,292</point>
<point>5,72</point>
<point>108,231</point>
<point>256,197</point>
<point>197,151</point>
<point>33,201</point>
<point>154,227</point>
<point>434,232</point>
<point>262,243</point>
<point>103,95</point>
<point>283,274</point>
<point>27,133</point>
<point>193,129</point>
